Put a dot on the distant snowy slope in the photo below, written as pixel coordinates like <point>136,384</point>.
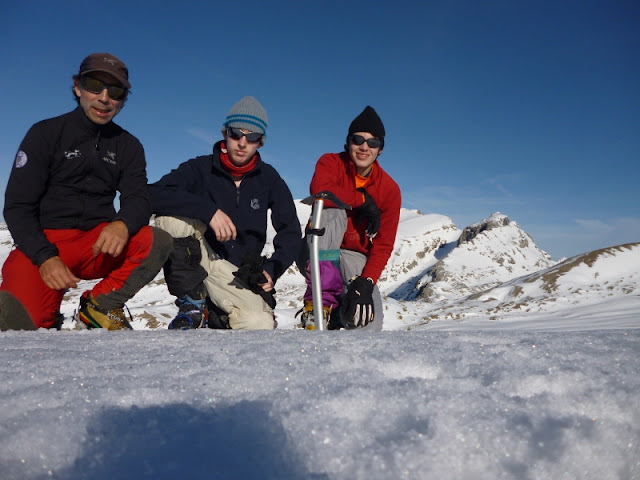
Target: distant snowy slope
<point>421,240</point>
<point>601,284</point>
<point>587,278</point>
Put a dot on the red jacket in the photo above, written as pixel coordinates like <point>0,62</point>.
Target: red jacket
<point>336,173</point>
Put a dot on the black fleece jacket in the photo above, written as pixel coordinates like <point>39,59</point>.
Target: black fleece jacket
<point>66,175</point>
<point>200,186</point>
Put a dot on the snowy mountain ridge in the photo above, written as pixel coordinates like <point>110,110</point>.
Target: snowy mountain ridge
<point>439,275</point>
<point>488,253</point>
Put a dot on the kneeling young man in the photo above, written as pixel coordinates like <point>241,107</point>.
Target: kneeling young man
<point>362,237</point>
<point>216,207</point>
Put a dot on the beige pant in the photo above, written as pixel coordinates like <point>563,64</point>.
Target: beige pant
<point>247,311</point>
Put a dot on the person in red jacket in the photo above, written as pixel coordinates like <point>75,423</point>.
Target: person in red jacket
<point>59,208</point>
<point>364,235</point>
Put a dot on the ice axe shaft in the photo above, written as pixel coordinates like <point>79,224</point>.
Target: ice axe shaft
<point>316,231</point>
<point>316,286</point>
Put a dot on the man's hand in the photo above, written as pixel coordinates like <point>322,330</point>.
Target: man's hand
<point>55,274</point>
<point>223,227</point>
<point>112,240</point>
<point>268,285</point>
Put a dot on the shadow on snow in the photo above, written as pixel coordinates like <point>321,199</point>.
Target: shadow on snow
<point>180,441</point>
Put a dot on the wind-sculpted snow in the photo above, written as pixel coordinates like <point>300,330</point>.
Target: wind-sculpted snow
<point>335,405</point>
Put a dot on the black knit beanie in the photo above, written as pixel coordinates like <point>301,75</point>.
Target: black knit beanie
<point>368,121</point>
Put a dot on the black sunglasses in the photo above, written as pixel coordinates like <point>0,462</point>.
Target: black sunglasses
<point>372,142</point>
<point>93,85</point>
<point>237,134</point>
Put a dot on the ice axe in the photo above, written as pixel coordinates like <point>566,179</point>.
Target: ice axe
<point>317,202</point>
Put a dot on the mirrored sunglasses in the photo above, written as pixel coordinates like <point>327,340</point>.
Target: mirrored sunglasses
<point>372,142</point>
<point>237,134</point>
<point>93,85</point>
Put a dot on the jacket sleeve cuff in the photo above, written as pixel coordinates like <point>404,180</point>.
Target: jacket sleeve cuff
<point>132,228</point>
<point>44,255</point>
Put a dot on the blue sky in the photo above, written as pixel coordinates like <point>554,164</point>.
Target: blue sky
<point>529,108</point>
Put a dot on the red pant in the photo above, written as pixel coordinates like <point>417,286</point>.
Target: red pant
<point>22,279</point>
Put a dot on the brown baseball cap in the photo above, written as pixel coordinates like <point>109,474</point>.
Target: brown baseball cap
<point>105,62</point>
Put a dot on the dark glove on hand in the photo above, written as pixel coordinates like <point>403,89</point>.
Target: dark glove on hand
<point>250,276</point>
<point>357,304</point>
<point>369,211</point>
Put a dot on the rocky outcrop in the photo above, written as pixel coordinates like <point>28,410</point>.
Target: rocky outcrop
<point>496,220</point>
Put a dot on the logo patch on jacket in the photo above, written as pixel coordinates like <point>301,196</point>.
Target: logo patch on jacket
<point>110,158</point>
<point>255,204</point>
<point>72,154</point>
<point>21,159</point>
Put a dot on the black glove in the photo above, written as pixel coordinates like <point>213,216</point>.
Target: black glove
<point>357,305</point>
<point>250,276</point>
<point>369,211</point>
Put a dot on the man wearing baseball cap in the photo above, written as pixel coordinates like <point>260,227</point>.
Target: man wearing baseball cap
<point>59,207</point>
<point>216,207</point>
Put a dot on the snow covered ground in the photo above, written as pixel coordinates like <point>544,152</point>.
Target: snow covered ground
<point>534,376</point>
<point>206,404</point>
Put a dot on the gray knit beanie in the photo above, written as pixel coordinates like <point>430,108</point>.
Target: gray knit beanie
<point>247,114</point>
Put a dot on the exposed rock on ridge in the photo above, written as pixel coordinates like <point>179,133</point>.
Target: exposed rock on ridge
<point>496,220</point>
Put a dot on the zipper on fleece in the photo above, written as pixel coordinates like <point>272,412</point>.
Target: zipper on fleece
<point>98,140</point>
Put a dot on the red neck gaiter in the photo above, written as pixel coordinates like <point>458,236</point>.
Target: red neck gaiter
<point>235,170</point>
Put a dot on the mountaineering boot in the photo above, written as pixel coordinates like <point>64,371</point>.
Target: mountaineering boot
<point>218,318</point>
<point>94,316</point>
<point>307,317</point>
<point>191,313</point>
<point>58,321</point>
